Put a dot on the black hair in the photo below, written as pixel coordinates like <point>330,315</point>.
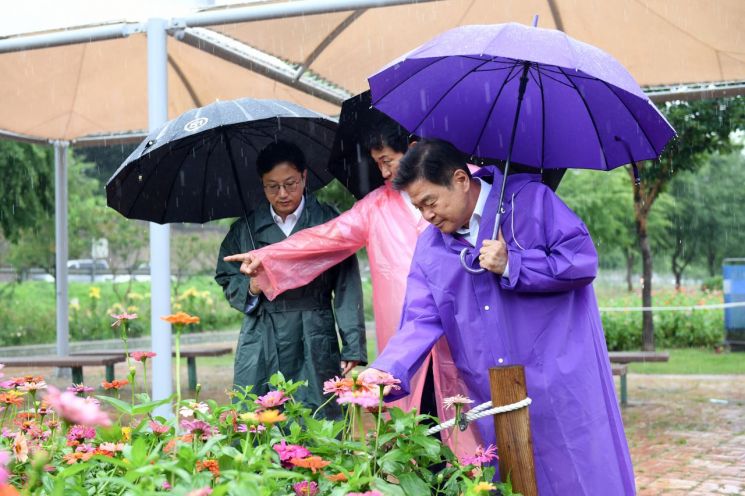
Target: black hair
<point>278,152</point>
<point>434,160</point>
<point>386,132</point>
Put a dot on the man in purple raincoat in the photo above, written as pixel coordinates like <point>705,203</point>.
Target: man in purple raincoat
<point>534,306</point>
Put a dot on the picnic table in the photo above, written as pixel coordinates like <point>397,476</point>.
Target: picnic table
<point>74,362</point>
<point>190,353</point>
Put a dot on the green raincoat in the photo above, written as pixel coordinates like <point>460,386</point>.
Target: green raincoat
<point>295,333</point>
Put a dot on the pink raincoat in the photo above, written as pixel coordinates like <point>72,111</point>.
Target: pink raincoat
<point>383,222</point>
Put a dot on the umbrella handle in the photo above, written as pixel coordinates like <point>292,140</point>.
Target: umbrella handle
<point>466,266</point>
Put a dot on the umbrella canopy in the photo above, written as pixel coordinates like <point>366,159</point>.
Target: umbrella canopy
<point>201,165</point>
<point>468,86</point>
<point>581,108</point>
<point>352,165</point>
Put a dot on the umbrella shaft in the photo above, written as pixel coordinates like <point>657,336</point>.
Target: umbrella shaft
<point>520,95</point>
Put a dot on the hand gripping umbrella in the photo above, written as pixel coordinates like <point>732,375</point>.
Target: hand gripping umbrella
<point>525,94</point>
<point>201,165</point>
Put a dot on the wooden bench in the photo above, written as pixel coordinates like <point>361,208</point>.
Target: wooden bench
<point>620,370</point>
<point>190,353</point>
<point>638,356</point>
<point>620,359</point>
<point>75,362</point>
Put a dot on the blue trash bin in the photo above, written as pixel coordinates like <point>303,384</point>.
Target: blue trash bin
<point>733,273</point>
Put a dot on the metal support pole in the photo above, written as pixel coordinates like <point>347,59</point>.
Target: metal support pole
<point>160,259</point>
<point>60,235</point>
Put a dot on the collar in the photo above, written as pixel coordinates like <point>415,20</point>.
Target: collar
<point>471,232</point>
<point>294,216</point>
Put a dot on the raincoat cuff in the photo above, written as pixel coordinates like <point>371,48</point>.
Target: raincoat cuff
<point>510,277</point>
<point>252,302</point>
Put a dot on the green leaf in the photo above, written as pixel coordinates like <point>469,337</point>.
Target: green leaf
<point>120,405</point>
<point>148,407</point>
<point>411,484</point>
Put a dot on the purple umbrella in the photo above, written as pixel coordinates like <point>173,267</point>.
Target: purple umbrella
<point>525,94</point>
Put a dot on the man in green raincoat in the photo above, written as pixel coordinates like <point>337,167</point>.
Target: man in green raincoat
<point>296,333</point>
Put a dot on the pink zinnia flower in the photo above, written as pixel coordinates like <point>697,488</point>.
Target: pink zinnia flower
<point>20,447</point>
<point>76,410</point>
<point>362,397</point>
<point>158,428</point>
<point>272,399</point>
<point>205,491</point>
<point>79,389</point>
<point>338,385</point>
<point>288,451</point>
<point>141,356</point>
<point>122,317</point>
<point>79,433</point>
<point>4,473</point>
<point>305,488</point>
<point>166,485</point>
<point>32,386</point>
<point>197,428</point>
<point>458,399</point>
<point>481,456</point>
<point>381,379</point>
<point>111,447</point>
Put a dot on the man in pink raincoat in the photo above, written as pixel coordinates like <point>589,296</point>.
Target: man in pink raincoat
<point>534,306</point>
<point>386,223</point>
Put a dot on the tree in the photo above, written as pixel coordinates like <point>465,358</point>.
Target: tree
<point>703,128</point>
<point>28,186</point>
<point>706,224</point>
<point>601,200</point>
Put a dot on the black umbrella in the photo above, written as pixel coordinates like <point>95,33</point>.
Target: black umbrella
<point>351,163</point>
<point>201,165</point>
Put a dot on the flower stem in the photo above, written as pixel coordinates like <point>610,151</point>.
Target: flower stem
<point>178,366</point>
<point>321,407</point>
<point>377,429</point>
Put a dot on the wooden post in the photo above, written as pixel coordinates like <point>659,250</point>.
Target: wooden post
<point>514,443</point>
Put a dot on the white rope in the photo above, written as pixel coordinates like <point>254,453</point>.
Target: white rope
<point>715,306</point>
<point>483,410</point>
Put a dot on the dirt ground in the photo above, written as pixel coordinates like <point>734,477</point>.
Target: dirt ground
<point>686,433</point>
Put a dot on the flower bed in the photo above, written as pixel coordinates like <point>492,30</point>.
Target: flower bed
<point>65,442</point>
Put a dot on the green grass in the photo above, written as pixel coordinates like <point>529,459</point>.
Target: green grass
<point>694,361</point>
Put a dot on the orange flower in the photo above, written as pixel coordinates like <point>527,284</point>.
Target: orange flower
<point>115,384</point>
<point>8,490</point>
<point>210,465</point>
<point>270,417</point>
<point>181,318</point>
<point>312,462</point>
<point>340,477</point>
<point>12,397</point>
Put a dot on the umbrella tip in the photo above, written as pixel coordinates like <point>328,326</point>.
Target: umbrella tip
<point>535,20</point>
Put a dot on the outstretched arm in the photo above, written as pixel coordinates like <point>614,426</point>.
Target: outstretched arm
<point>306,254</point>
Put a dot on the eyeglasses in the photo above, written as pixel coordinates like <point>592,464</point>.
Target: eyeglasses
<point>290,186</point>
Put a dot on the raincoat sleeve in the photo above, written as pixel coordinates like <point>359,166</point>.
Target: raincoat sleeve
<point>306,254</point>
<point>350,317</point>
<point>418,332</point>
<point>228,275</point>
<point>551,249</point>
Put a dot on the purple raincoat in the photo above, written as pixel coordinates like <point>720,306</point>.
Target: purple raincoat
<point>545,317</point>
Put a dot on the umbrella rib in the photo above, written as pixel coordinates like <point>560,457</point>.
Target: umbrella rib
<point>539,82</point>
<point>204,178</point>
<point>592,118</point>
<point>452,86</point>
<point>544,71</point>
<point>407,78</point>
<point>644,131</point>
<point>493,105</point>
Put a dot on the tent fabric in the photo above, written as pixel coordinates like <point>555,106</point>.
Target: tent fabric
<point>67,92</point>
<point>661,42</point>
